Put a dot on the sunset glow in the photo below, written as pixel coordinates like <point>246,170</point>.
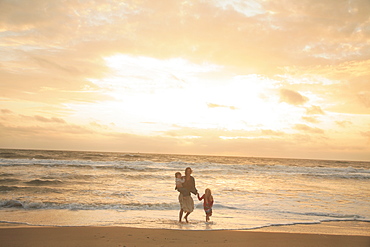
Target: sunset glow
<point>221,77</point>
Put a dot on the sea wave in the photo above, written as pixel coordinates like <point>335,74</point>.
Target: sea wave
<point>87,206</point>
<point>355,176</point>
<point>30,189</point>
<point>302,223</point>
<point>9,180</point>
<point>84,164</point>
<point>327,215</point>
<point>5,174</point>
<point>318,172</point>
<point>41,182</point>
<point>103,206</point>
<point>201,167</point>
<point>8,188</point>
<point>335,215</point>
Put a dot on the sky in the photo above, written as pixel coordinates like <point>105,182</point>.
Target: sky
<point>278,78</point>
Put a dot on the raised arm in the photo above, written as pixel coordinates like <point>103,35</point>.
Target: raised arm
<point>200,198</point>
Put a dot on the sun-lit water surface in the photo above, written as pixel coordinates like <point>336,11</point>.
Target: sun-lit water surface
<point>60,188</point>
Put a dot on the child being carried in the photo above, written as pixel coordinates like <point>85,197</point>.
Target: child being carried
<point>179,180</point>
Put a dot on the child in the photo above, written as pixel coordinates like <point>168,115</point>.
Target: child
<point>179,180</point>
<point>208,203</point>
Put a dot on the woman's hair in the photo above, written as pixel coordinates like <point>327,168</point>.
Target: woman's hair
<point>187,169</point>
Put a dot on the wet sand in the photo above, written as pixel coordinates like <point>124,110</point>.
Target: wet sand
<point>301,235</point>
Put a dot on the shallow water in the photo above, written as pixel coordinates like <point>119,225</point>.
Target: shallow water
<point>64,188</point>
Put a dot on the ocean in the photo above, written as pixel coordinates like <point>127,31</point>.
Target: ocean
<point>75,188</point>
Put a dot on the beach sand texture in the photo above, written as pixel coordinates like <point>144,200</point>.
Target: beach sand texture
<point>129,237</point>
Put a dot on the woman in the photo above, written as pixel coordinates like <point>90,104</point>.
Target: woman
<point>186,201</point>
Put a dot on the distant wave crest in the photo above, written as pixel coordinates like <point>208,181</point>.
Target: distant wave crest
<point>83,206</point>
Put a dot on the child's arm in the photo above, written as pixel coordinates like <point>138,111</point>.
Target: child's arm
<point>200,198</point>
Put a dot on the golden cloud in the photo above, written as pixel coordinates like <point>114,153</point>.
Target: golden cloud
<point>292,97</point>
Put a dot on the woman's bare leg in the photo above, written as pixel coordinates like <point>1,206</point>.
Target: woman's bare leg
<point>180,214</point>
<point>186,217</point>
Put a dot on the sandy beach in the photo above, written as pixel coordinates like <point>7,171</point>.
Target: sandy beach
<point>123,236</point>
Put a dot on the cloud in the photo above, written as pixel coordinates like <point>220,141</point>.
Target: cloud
<point>253,143</point>
<point>48,88</point>
<point>272,132</point>
<point>292,97</point>
<point>6,111</point>
<point>310,119</point>
<point>195,30</point>
<point>212,105</point>
<point>180,131</point>
<point>49,120</point>
<point>97,125</point>
<point>189,27</point>
<point>54,66</point>
<point>307,129</point>
<point>343,123</point>
<point>20,126</point>
<point>314,110</point>
<point>364,98</point>
<point>367,135</point>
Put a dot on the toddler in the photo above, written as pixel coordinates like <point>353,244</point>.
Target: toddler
<point>179,180</point>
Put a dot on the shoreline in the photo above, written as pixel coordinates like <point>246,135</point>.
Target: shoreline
<point>349,228</point>
<point>126,236</point>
